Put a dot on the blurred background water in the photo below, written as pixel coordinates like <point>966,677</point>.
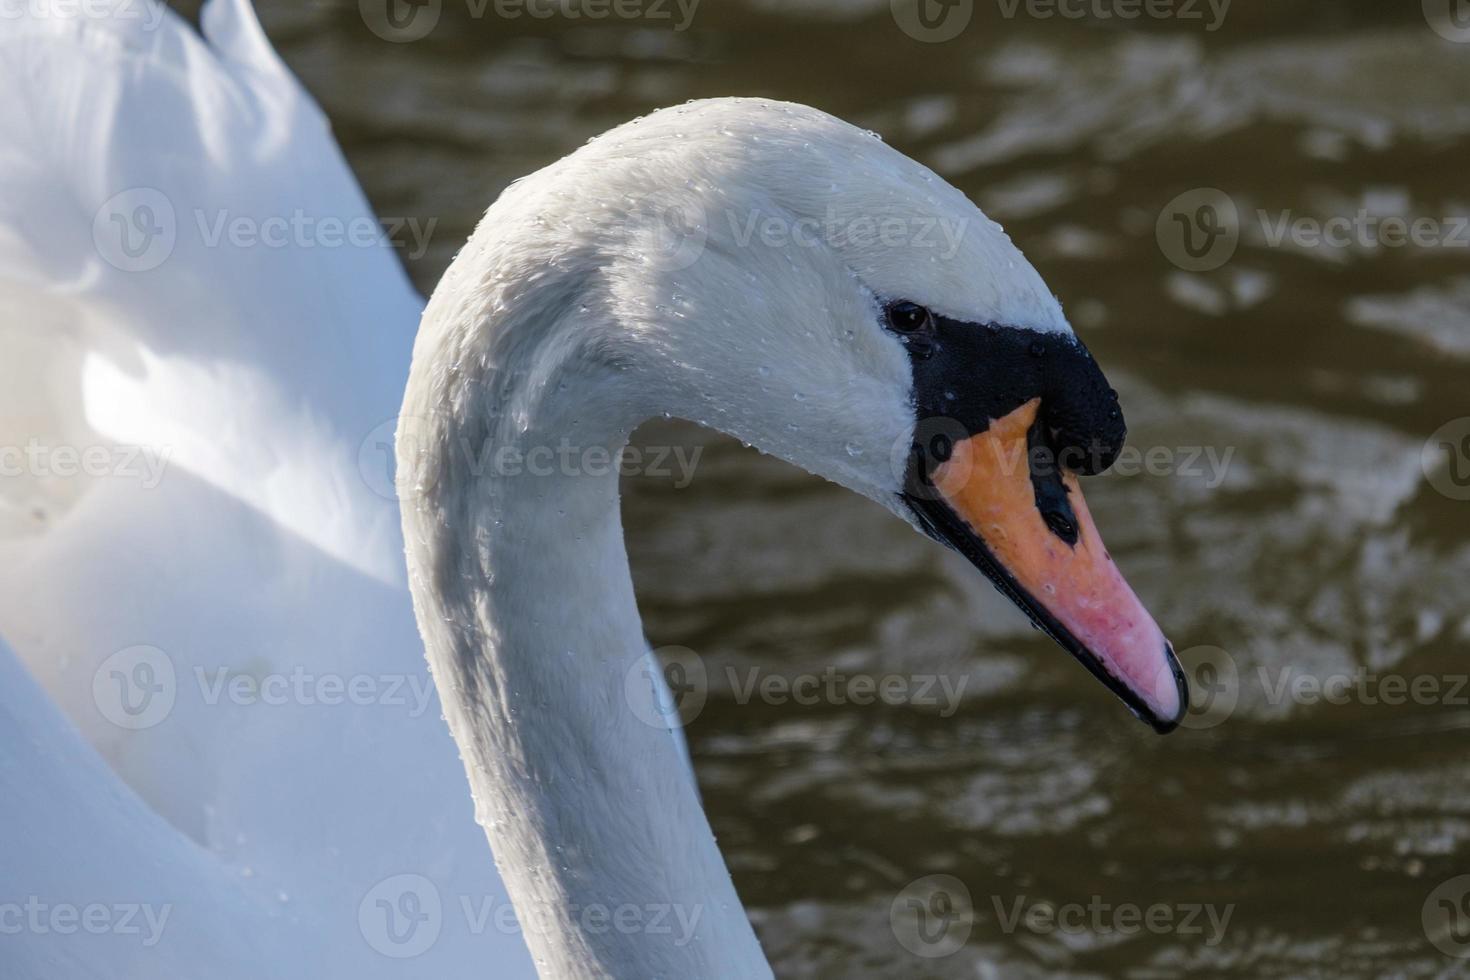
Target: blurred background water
<point>1302,521</point>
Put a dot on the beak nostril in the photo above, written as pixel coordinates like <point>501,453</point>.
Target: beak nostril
<point>1047,469</point>
<point>1061,526</point>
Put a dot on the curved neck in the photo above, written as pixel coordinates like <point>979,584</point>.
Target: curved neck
<point>524,596</point>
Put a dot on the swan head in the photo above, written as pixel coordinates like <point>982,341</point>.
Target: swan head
<point>770,271</point>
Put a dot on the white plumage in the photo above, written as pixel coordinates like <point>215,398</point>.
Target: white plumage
<point>268,379</point>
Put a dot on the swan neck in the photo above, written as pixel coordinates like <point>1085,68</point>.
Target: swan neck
<point>526,602</point>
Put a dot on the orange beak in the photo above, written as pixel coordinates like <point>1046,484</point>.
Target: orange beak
<point>1028,528</point>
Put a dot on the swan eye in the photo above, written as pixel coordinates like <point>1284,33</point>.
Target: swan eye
<point>906,317</point>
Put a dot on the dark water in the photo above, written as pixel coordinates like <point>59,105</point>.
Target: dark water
<point>1286,532</point>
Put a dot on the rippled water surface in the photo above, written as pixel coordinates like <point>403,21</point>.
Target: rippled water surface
<point>1288,524</point>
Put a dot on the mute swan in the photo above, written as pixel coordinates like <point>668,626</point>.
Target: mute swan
<point>611,287</point>
<point>619,284</point>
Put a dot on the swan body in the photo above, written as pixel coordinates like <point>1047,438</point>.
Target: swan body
<point>267,553</point>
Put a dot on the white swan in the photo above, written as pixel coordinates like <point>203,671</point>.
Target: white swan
<point>624,282</point>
